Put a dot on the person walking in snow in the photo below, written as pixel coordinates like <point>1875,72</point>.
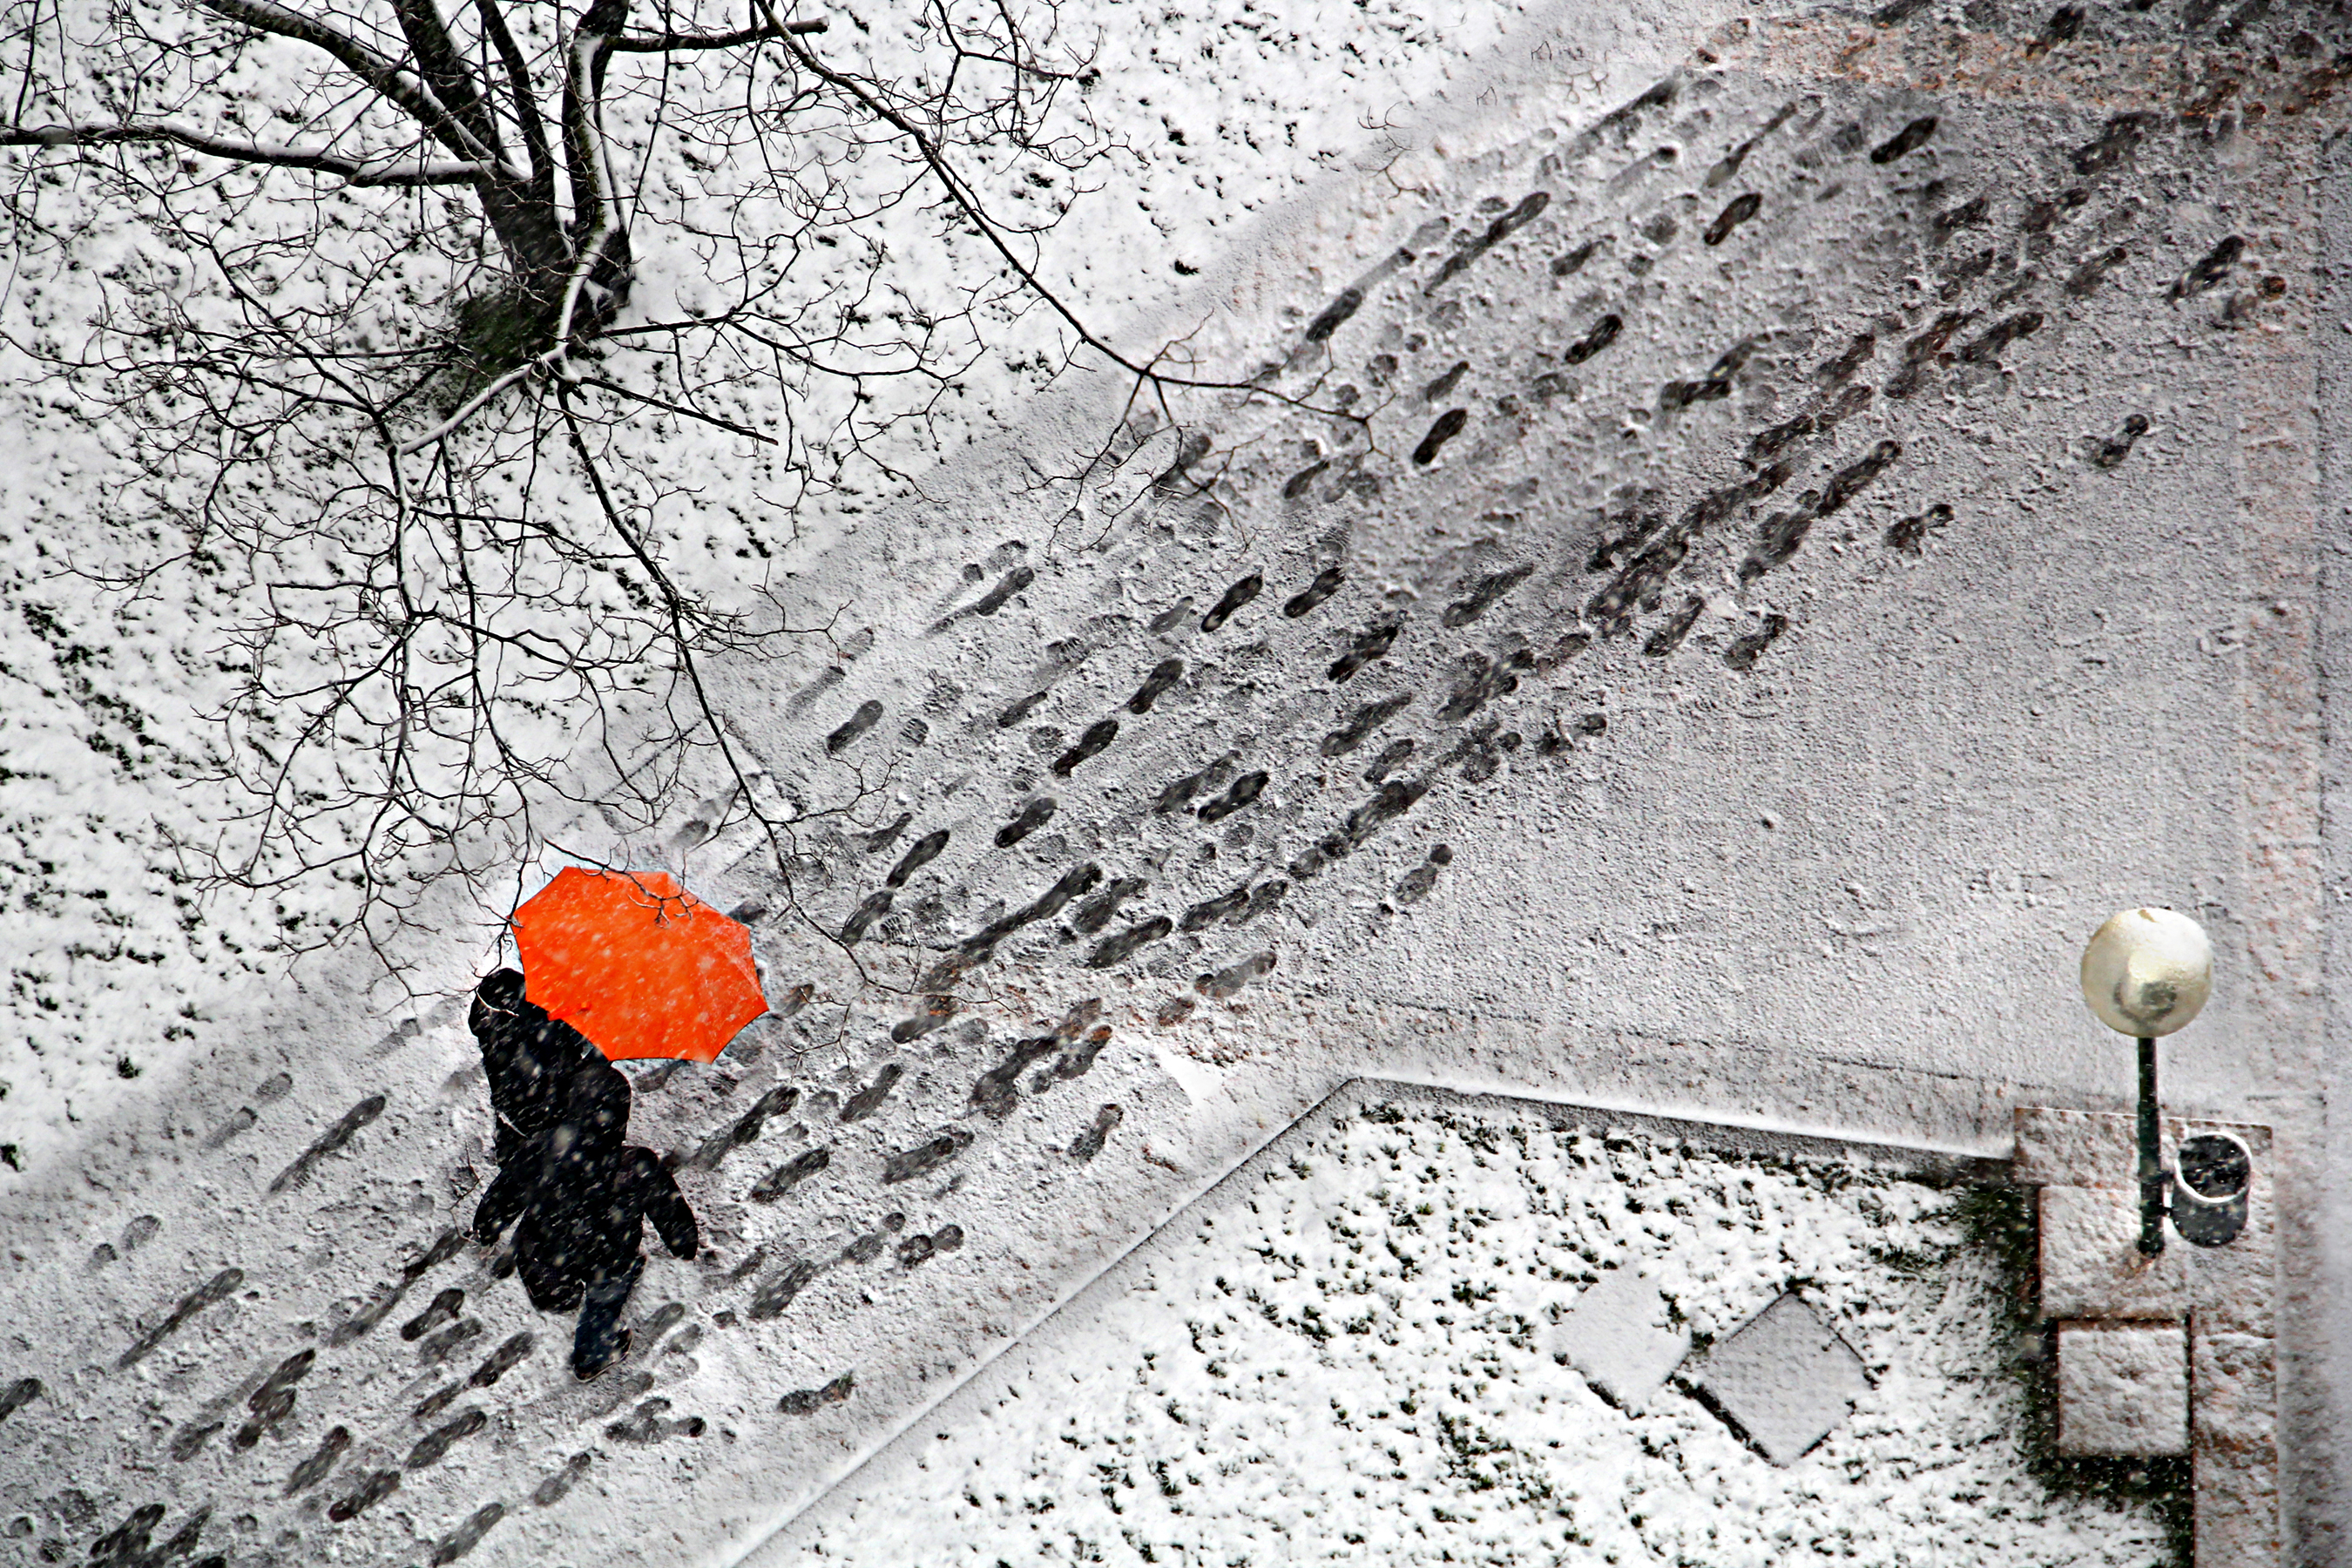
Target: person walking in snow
<point>578,1195</point>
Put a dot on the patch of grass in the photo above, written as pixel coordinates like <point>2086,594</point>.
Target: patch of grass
<point>1480,1461</point>
<point>2000,1219</point>
<point>1910,1262</point>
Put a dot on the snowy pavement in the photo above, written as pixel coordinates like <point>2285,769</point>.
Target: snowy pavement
<point>1344,1354</point>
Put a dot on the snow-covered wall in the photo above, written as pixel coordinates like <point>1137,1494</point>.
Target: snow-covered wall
<point>1757,535</point>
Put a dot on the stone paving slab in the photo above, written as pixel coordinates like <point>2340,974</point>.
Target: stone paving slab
<point>2122,1389</point>
<point>2226,1296</point>
<point>2233,1436</point>
<point>2091,1265</point>
<point>1785,1379</point>
<point>2233,1289</point>
<point>1616,1333</point>
<point>2062,1148</point>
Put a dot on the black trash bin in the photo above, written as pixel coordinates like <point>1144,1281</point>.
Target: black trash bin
<point>2209,1203</point>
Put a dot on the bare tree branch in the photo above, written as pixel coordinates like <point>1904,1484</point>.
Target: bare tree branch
<point>664,404</point>
<point>396,171</point>
<point>395,85</point>
<point>686,43</point>
<point>522,99</point>
<point>445,68</point>
<point>975,211</point>
<point>368,416</point>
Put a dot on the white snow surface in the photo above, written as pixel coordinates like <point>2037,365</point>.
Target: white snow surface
<point>112,962</point>
<point>116,963</point>
<point>1345,1364</point>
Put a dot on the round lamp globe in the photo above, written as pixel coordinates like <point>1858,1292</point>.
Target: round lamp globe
<point>2148,972</point>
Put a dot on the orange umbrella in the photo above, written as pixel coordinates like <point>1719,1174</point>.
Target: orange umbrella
<point>637,964</point>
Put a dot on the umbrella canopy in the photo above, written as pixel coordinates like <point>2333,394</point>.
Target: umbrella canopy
<point>637,964</point>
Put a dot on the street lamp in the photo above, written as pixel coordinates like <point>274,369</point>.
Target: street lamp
<point>2146,973</point>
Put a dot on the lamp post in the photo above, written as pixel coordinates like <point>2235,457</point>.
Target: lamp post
<point>2146,973</point>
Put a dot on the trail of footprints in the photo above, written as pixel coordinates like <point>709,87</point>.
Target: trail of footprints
<point>1305,769</point>
<point>1640,557</point>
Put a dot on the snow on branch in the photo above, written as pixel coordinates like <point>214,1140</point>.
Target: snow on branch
<point>401,87</point>
<point>403,170</point>
<point>368,423</point>
<point>669,43</point>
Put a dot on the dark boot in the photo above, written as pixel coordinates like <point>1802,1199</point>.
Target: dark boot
<point>600,1340</point>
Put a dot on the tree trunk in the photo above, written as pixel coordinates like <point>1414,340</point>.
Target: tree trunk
<point>531,234</point>
<point>542,246</point>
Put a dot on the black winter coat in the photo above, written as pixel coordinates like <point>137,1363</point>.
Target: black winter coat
<point>579,1196</point>
<point>529,1058</point>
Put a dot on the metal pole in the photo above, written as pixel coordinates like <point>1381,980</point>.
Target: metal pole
<point>2152,1179</point>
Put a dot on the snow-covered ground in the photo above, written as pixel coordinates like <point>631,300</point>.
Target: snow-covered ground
<point>1347,1359</point>
<point>116,961</point>
<point>1743,906</point>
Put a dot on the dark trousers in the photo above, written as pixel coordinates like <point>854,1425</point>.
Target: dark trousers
<point>598,1339</point>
